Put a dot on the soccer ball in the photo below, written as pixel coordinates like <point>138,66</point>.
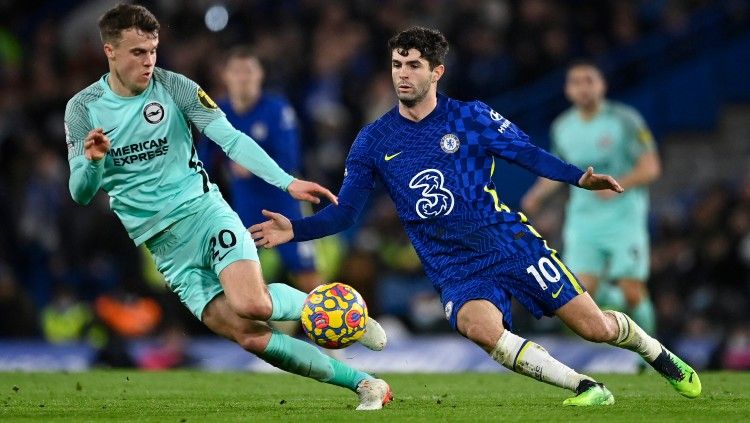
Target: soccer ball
<point>334,315</point>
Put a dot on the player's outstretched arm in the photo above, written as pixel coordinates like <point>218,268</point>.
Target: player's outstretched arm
<point>332,219</point>
<point>597,181</point>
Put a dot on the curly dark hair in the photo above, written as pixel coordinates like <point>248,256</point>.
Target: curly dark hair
<point>125,16</point>
<point>431,43</point>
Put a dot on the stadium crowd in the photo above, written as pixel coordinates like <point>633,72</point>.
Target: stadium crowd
<point>64,277</point>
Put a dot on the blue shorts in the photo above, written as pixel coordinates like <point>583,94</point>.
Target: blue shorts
<point>538,280</point>
<point>298,256</point>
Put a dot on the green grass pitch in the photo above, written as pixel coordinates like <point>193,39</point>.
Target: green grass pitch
<point>191,396</point>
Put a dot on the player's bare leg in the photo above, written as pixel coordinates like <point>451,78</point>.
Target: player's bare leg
<point>585,318</point>
<point>281,350</point>
<point>481,322</point>
<point>247,295</point>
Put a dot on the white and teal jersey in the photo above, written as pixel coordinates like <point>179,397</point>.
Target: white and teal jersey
<point>611,142</point>
<point>152,167</point>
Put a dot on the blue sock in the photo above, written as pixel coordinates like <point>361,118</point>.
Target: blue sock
<point>286,302</point>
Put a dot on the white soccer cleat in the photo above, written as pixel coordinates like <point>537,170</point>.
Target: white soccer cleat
<point>374,337</point>
<point>373,394</point>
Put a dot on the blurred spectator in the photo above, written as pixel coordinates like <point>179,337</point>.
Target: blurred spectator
<point>128,315</point>
<point>168,353</point>
<point>68,319</point>
<point>18,317</point>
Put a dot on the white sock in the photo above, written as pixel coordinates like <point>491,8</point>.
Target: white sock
<point>633,338</point>
<point>530,359</point>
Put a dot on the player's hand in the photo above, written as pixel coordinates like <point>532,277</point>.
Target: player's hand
<point>310,191</point>
<point>597,181</point>
<point>96,144</point>
<point>272,232</point>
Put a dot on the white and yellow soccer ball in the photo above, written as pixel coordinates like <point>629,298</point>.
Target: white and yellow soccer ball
<point>334,315</point>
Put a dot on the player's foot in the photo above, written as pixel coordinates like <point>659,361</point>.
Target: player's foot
<point>679,374</point>
<point>373,394</point>
<point>590,393</point>
<point>374,337</point>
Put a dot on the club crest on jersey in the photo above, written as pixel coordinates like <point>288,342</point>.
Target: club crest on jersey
<point>259,131</point>
<point>448,309</point>
<point>450,143</point>
<point>153,112</point>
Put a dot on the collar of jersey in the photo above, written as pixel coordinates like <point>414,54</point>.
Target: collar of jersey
<point>105,85</point>
<point>442,99</point>
<point>606,106</point>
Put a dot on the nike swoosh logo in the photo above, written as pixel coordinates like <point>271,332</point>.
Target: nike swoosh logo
<point>392,156</point>
<point>108,132</point>
<point>557,294</point>
<point>222,257</point>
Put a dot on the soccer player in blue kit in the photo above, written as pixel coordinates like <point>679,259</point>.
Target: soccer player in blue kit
<point>436,156</point>
<point>271,121</point>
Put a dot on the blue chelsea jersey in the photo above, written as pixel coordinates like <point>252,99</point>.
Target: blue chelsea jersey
<point>438,171</point>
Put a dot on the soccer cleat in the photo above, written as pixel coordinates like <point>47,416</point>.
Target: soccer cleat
<point>590,393</point>
<point>679,374</point>
<point>373,394</point>
<point>374,337</point>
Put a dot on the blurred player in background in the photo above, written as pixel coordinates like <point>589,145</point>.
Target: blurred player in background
<point>270,120</point>
<point>605,236</point>
<point>129,133</point>
<point>436,157</point>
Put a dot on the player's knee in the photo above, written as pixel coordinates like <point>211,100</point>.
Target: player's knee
<point>251,342</point>
<point>482,335</point>
<point>255,309</point>
<point>598,329</point>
